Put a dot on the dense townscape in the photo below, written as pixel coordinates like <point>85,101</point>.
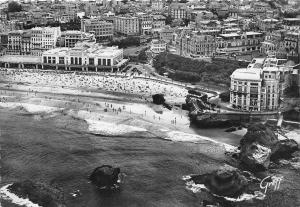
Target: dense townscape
<point>120,103</point>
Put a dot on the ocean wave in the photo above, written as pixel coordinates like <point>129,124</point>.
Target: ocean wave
<point>196,188</point>
<point>31,108</point>
<point>7,195</point>
<point>179,136</point>
<point>111,129</point>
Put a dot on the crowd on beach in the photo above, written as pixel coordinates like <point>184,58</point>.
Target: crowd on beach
<point>123,84</point>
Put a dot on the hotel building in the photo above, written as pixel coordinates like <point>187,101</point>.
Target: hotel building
<point>260,86</point>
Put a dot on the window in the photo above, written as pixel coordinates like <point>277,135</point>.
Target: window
<point>49,59</point>
<point>72,60</point>
<point>45,59</point>
<point>91,61</point>
<point>108,62</point>
<point>80,61</point>
<point>99,61</point>
<point>104,61</point>
<point>61,60</point>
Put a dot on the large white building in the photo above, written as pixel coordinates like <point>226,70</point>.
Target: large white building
<point>260,86</point>
<point>43,38</point>
<point>85,56</point>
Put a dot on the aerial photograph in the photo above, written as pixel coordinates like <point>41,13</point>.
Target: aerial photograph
<point>149,103</point>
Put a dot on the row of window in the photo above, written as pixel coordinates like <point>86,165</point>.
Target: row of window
<point>77,61</point>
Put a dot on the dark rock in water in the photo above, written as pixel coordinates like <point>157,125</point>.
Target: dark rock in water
<point>158,99</point>
<point>231,129</point>
<point>284,149</point>
<point>105,177</point>
<point>38,193</point>
<point>260,145</point>
<point>256,147</point>
<point>227,181</point>
<point>261,134</point>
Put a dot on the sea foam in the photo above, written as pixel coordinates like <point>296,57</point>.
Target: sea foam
<point>7,195</point>
<point>31,108</point>
<point>111,129</point>
<point>179,136</point>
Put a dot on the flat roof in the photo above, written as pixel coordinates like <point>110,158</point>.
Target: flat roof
<point>21,59</point>
<point>247,74</point>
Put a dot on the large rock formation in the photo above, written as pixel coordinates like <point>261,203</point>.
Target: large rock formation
<point>105,177</point>
<point>38,193</point>
<point>260,145</point>
<point>226,181</point>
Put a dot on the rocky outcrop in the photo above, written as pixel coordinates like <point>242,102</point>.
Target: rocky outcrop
<point>158,99</point>
<point>105,177</point>
<point>260,145</point>
<point>38,193</point>
<point>284,149</point>
<point>226,182</point>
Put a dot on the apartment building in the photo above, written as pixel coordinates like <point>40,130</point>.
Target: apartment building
<point>291,24</point>
<point>14,42</point>
<point>292,45</point>
<point>43,38</point>
<point>102,30</point>
<point>178,10</point>
<point>71,37</point>
<point>193,44</point>
<point>158,46</point>
<point>239,43</point>
<point>127,25</point>
<point>157,4</point>
<point>145,23</point>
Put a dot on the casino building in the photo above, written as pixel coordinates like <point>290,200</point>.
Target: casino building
<point>85,56</point>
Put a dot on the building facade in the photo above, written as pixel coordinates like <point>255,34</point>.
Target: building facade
<point>127,25</point>
<point>85,56</point>
<point>259,87</point>
<point>43,38</point>
<point>158,46</point>
<point>70,38</point>
<point>239,43</point>
<point>102,30</point>
<point>145,24</point>
<point>178,11</point>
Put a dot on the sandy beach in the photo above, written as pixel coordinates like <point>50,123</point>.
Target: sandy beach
<point>61,124</point>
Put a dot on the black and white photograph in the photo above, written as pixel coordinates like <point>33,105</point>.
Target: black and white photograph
<point>149,103</point>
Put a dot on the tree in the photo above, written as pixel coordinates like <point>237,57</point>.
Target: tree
<point>143,56</point>
<point>168,20</point>
<point>14,7</point>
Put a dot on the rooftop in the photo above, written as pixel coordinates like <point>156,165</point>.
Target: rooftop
<point>247,74</point>
<point>21,59</point>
